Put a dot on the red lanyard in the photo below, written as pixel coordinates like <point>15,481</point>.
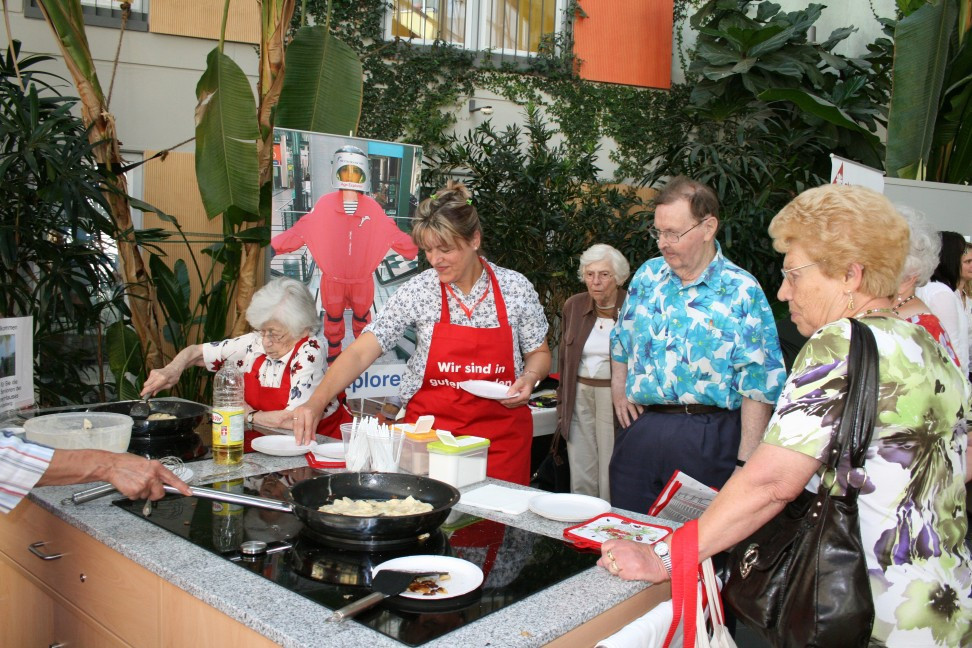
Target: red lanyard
<point>468,311</point>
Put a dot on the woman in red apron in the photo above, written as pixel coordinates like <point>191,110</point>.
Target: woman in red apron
<point>510,431</point>
<point>273,399</point>
<point>483,345</point>
<point>280,352</point>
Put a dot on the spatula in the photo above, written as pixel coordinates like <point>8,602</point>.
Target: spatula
<point>140,409</point>
<point>387,582</point>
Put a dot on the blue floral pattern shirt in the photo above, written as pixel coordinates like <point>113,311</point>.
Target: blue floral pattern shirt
<point>712,342</point>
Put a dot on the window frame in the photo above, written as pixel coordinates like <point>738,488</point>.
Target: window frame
<point>99,16</point>
<point>477,30</point>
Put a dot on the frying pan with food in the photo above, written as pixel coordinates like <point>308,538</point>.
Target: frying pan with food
<point>306,497</point>
<point>187,416</point>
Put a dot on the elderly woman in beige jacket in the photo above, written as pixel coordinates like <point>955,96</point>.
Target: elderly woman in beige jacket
<point>585,414</point>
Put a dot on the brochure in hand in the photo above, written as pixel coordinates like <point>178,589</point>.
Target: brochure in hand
<point>611,526</point>
<point>682,499</point>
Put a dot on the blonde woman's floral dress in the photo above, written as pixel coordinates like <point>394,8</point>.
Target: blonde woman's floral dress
<point>912,508</point>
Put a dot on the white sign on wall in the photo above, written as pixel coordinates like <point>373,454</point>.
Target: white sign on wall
<point>378,380</point>
<point>16,363</point>
<point>844,171</point>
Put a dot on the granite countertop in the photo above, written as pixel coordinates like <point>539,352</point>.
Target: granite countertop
<point>293,621</point>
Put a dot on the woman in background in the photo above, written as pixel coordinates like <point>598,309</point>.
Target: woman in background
<point>923,252</point>
<point>585,412</point>
<point>939,294</point>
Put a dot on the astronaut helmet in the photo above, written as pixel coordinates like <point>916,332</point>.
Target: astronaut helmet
<point>350,169</point>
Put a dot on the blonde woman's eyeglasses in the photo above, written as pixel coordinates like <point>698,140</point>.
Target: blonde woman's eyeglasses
<point>786,272</point>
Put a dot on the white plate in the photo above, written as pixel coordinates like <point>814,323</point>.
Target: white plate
<point>281,445</point>
<point>566,507</point>
<point>331,450</point>
<point>464,576</point>
<point>486,389</point>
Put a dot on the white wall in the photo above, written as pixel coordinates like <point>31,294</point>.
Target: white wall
<point>153,99</point>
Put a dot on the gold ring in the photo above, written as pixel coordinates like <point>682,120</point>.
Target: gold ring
<point>610,555</point>
<point>614,565</point>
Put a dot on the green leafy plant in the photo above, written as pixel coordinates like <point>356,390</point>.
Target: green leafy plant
<point>541,205</point>
<point>56,238</point>
<point>930,124</point>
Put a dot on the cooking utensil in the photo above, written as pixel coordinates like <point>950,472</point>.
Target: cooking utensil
<point>174,464</point>
<point>387,582</point>
<point>188,416</point>
<point>307,496</point>
<point>141,409</point>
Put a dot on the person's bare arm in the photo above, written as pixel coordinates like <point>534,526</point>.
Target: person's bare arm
<point>348,366</point>
<point>625,410</point>
<point>772,477</point>
<point>536,366</point>
<point>133,476</point>
<point>168,376</point>
<point>754,417</point>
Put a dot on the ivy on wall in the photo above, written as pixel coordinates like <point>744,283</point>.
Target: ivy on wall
<point>412,92</point>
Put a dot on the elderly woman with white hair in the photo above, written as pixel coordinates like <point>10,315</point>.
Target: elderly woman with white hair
<point>585,412</point>
<point>281,359</point>
<point>923,256</point>
<point>916,286</point>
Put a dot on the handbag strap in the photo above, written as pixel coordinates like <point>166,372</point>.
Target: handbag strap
<point>860,407</point>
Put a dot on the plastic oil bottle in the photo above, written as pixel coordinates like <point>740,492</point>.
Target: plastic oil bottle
<point>228,415</point>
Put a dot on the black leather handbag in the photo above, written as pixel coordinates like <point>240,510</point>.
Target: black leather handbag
<point>801,579</point>
<point>553,473</point>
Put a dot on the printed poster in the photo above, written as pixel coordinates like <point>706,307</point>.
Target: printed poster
<point>16,363</point>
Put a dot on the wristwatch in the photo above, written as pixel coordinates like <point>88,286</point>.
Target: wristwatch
<point>249,419</point>
<point>663,552</point>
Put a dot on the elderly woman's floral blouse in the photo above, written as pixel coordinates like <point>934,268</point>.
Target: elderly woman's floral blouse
<point>912,508</point>
<point>306,371</point>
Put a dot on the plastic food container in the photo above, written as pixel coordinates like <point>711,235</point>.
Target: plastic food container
<point>459,465</point>
<point>68,431</point>
<point>415,451</point>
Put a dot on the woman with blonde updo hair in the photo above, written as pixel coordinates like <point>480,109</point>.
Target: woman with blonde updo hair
<point>474,321</point>
<point>844,249</point>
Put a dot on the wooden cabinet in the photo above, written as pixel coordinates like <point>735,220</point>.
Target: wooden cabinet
<point>60,586</point>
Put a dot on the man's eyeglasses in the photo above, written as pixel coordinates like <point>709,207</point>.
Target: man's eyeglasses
<point>788,277</point>
<point>271,336</point>
<point>671,237</point>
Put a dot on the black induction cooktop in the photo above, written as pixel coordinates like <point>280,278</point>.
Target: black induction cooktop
<point>516,563</point>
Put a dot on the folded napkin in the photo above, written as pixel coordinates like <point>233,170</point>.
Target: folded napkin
<point>499,498</point>
<point>648,631</point>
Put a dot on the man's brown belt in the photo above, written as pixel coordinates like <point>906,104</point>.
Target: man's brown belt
<point>684,408</point>
<point>594,382</point>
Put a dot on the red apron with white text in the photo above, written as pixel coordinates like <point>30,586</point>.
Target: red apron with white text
<point>272,399</point>
<point>458,353</point>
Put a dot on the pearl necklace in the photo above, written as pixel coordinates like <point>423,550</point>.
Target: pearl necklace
<point>902,302</point>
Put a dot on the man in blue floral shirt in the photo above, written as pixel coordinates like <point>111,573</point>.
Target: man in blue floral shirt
<point>696,362</point>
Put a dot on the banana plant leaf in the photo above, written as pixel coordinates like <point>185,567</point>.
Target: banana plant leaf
<point>226,134</point>
<point>124,357</point>
<point>67,20</point>
<point>921,43</point>
<point>173,288</point>
<point>322,86</point>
